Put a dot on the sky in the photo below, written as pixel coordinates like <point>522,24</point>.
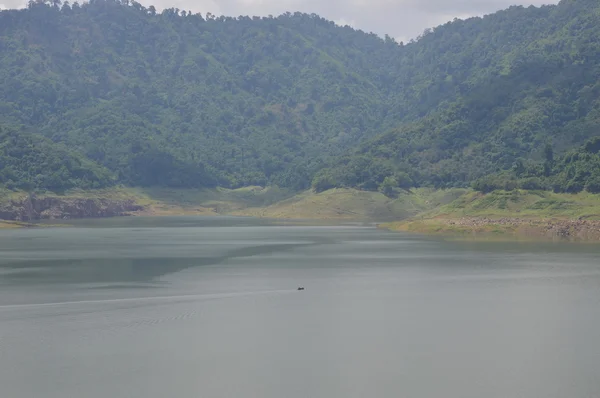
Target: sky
<point>401,19</point>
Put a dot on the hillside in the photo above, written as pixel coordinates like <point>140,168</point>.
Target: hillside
<point>351,204</point>
<point>572,172</point>
<point>521,79</point>
<point>28,160</point>
<point>182,100</point>
<point>130,96</point>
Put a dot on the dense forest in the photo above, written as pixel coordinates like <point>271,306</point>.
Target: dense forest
<point>29,160</point>
<point>522,79</point>
<point>110,91</point>
<point>574,171</point>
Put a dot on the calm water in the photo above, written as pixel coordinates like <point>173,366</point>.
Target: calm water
<point>192,307</point>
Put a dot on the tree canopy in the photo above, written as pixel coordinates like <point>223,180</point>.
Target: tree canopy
<point>189,100</point>
<point>574,171</point>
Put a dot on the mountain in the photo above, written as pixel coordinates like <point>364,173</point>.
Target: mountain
<point>231,101</point>
<point>177,99</point>
<point>521,79</point>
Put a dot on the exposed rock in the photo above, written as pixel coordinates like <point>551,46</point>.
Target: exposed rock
<point>554,228</point>
<point>33,208</point>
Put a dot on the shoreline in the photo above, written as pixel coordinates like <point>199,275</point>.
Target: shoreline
<point>453,214</point>
<point>502,228</point>
<point>8,224</point>
<point>343,204</point>
<point>450,228</point>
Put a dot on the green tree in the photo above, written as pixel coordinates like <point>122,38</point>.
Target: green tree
<point>322,182</point>
<point>388,185</point>
<point>593,184</point>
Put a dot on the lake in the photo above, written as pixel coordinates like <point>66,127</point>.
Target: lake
<point>209,307</point>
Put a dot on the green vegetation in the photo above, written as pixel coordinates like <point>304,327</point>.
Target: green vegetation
<point>492,92</point>
<point>13,224</point>
<point>270,202</point>
<point>573,172</point>
<point>30,161</point>
<point>215,201</point>
<point>512,214</point>
<point>353,204</point>
<point>524,204</point>
<point>111,92</point>
<point>180,100</point>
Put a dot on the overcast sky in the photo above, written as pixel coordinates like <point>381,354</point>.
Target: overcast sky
<point>402,19</point>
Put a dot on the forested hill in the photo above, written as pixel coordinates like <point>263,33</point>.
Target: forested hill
<point>521,80</point>
<point>189,100</point>
<point>180,99</point>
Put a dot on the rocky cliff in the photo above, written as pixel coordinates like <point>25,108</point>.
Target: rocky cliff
<point>31,208</point>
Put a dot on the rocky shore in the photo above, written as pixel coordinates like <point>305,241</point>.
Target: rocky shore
<point>553,228</point>
<point>32,208</point>
<point>579,229</point>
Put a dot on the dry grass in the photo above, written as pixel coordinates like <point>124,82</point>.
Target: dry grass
<point>351,204</point>
<point>524,214</point>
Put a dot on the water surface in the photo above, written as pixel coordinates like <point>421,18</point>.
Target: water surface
<point>208,307</point>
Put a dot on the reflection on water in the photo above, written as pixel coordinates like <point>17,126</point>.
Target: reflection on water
<point>191,306</point>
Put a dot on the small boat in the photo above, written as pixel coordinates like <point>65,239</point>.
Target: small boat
<point>300,288</point>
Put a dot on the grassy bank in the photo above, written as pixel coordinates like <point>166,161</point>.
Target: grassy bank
<point>454,212</point>
<point>14,224</point>
<point>525,214</point>
<point>4,224</point>
<point>163,201</point>
<point>270,202</point>
<point>527,204</point>
<point>206,201</point>
<point>351,204</point>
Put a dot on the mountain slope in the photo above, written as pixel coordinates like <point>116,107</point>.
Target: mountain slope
<point>241,98</point>
<point>28,160</point>
<point>538,83</point>
<point>181,100</point>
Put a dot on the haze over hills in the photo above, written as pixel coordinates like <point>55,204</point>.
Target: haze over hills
<point>118,93</point>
